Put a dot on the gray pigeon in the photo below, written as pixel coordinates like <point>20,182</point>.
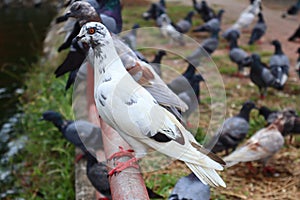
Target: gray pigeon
<point>233,130</point>
<point>279,64</point>
<point>190,187</point>
<point>130,37</point>
<point>81,133</point>
<point>259,147</point>
<point>239,56</point>
<point>258,30</point>
<point>184,25</point>
<point>261,76</point>
<point>211,25</point>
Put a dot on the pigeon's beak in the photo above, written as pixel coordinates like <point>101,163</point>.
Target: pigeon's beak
<point>41,119</point>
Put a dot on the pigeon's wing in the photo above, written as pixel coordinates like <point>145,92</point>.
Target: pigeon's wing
<point>183,26</point>
<point>210,45</point>
<point>98,176</point>
<point>235,129</point>
<point>89,134</point>
<point>196,189</point>
<point>261,145</point>
<point>179,84</point>
<point>237,55</point>
<point>160,130</point>
<point>267,76</point>
<point>73,61</point>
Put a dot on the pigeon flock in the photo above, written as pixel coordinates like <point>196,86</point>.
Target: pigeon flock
<point>150,113</point>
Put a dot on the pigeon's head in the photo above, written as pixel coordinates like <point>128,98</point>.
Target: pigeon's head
<point>161,53</point>
<point>249,105</point>
<point>275,43</point>
<point>93,34</point>
<point>51,116</point>
<point>255,57</point>
<point>135,26</point>
<point>84,12</point>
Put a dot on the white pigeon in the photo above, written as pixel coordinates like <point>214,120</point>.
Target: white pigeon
<point>261,146</point>
<point>130,109</point>
<point>248,15</point>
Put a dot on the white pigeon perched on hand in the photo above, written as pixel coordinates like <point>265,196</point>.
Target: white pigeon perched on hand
<point>130,109</point>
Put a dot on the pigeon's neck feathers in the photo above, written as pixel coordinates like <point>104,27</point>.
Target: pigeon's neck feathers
<point>261,18</point>
<point>233,44</point>
<point>158,57</point>
<point>265,112</point>
<point>189,16</point>
<point>215,34</point>
<point>91,160</point>
<point>245,112</point>
<point>189,72</point>
<point>278,49</point>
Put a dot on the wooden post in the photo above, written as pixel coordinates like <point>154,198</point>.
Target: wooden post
<point>128,184</point>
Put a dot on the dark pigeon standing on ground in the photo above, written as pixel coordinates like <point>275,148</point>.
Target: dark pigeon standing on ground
<point>239,56</point>
<point>233,130</point>
<point>204,10</point>
<point>261,76</point>
<point>191,97</point>
<point>156,62</point>
<point>295,35</point>
<point>185,24</point>
<point>279,64</point>
<point>81,133</point>
<point>258,30</point>
<point>211,25</point>
<point>190,187</point>
<point>298,63</point>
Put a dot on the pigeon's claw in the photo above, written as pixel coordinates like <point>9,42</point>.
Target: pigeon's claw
<point>121,153</point>
<point>123,165</point>
<point>269,170</point>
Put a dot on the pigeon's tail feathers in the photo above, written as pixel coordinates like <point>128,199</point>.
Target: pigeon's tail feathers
<point>206,175</point>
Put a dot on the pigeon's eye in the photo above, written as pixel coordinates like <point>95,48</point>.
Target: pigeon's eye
<point>91,30</point>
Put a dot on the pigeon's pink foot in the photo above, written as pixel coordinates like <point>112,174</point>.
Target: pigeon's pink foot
<point>251,168</point>
<point>238,74</point>
<point>269,170</point>
<point>262,97</point>
<point>123,165</point>
<point>78,157</point>
<point>121,153</point>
